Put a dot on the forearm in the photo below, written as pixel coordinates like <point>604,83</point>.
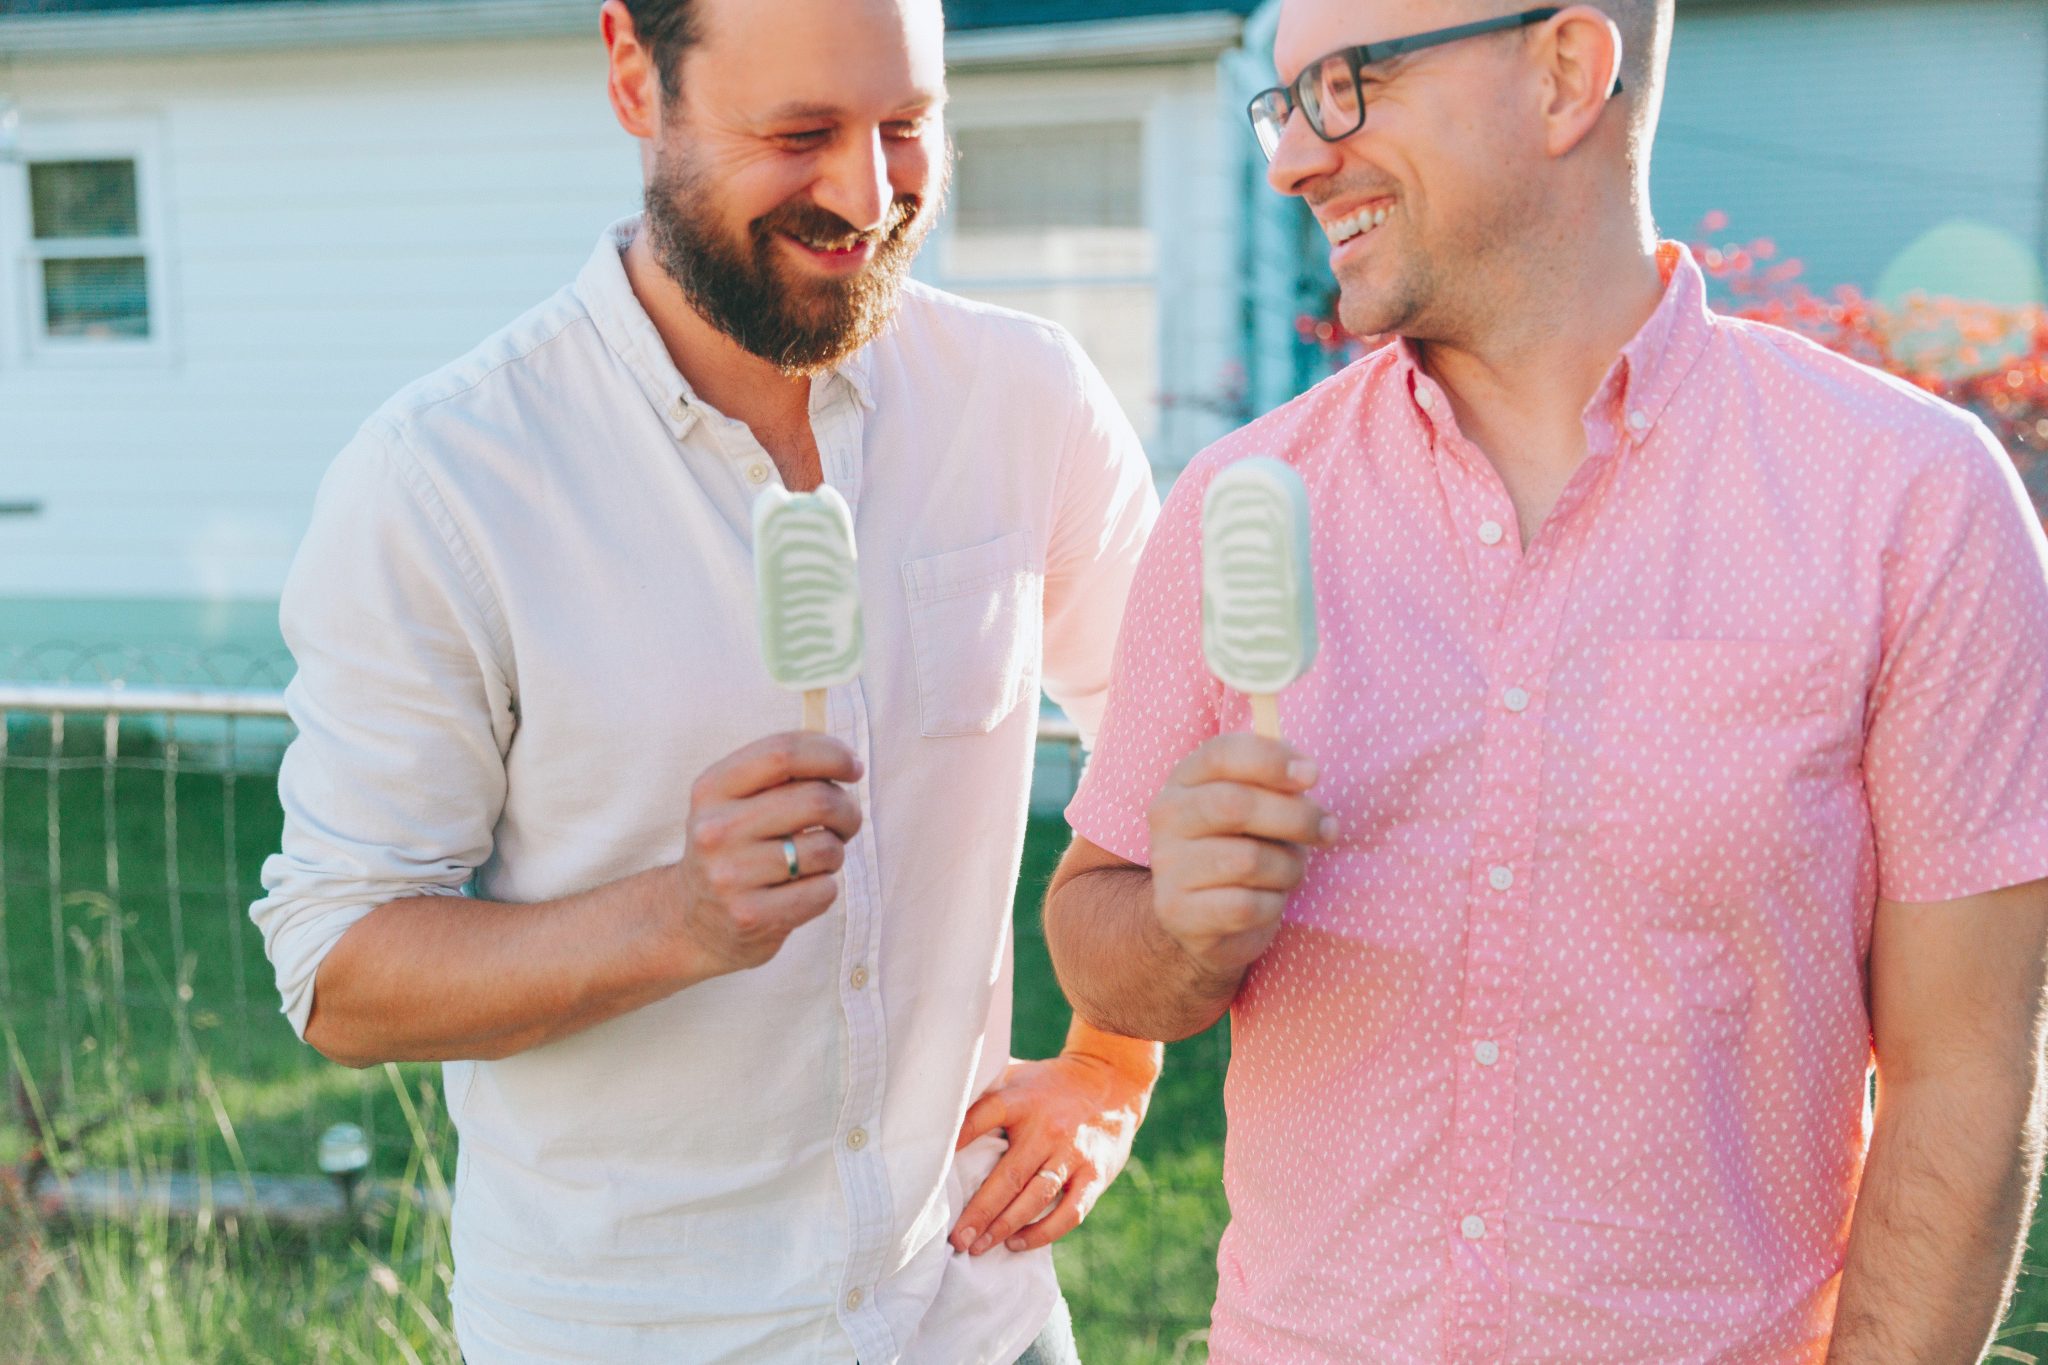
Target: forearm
<point>1940,1219</point>
<point>1121,971</point>
<point>444,978</point>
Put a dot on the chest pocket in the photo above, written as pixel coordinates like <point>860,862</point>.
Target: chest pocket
<point>1717,763</point>
<point>975,628</point>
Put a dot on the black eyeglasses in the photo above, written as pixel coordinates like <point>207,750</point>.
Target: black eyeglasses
<point>1329,93</point>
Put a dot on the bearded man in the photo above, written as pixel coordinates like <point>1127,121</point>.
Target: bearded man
<point>1676,749</point>
<point>725,998</point>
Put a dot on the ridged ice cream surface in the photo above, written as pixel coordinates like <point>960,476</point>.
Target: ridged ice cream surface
<point>807,589</point>
<point>1258,593</point>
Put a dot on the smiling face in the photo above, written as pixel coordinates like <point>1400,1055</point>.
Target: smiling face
<point>799,170</point>
<point>1441,199</point>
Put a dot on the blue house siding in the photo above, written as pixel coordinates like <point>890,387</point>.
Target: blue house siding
<point>1845,130</point>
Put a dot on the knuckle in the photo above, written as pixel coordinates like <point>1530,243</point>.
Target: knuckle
<point>1236,860</point>
<point>723,879</point>
<point>781,757</point>
<point>711,828</point>
<point>1245,913</point>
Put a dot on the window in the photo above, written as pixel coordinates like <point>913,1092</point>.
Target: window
<point>82,228</point>
<point>90,267</point>
<point>1050,219</point>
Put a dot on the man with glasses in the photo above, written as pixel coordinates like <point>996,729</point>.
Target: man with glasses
<point>1678,742</point>
<point>727,1019</point>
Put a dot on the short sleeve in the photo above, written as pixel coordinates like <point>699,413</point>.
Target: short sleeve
<point>1956,750</point>
<point>1163,702</point>
<point>395,781</point>
<point>1106,504</point>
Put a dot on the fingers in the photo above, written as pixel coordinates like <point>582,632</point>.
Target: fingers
<point>770,913</point>
<point>984,1116</point>
<point>1226,928</point>
<point>819,853</point>
<point>779,812</point>
<point>795,757</point>
<point>1238,808</point>
<point>997,1193</point>
<point>1043,1191</point>
<point>1066,1215</point>
<point>1249,759</point>
<point>1227,911</point>
<point>1252,864</point>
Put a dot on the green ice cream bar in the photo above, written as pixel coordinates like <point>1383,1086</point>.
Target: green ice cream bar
<point>807,591</point>
<point>1258,593</point>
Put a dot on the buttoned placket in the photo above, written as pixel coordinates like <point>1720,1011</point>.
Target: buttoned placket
<point>838,426</point>
<point>1522,595</point>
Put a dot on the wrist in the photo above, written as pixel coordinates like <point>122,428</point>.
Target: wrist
<point>1135,1061</point>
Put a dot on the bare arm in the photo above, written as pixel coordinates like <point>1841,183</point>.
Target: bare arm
<point>1957,1014</point>
<point>442,978</point>
<point>1160,952</point>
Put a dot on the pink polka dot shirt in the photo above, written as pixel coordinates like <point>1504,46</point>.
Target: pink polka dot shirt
<point>1561,1054</point>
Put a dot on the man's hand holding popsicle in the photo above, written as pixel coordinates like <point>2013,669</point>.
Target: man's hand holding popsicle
<point>1231,828</point>
<point>768,826</point>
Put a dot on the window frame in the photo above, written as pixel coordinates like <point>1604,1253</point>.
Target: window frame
<point>135,140</point>
<point>1135,108</point>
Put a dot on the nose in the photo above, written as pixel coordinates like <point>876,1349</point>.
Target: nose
<point>855,184</point>
<point>1300,157</point>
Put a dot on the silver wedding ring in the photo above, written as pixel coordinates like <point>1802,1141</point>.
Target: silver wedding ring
<point>789,856</point>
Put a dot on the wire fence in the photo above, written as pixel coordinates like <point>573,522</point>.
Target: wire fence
<point>140,1012</point>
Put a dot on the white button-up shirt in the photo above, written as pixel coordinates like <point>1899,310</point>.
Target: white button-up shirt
<point>524,624</point>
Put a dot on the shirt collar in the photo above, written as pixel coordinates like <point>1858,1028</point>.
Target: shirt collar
<point>630,334</point>
<point>1648,372</point>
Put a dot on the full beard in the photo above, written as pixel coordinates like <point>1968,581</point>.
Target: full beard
<point>801,326</point>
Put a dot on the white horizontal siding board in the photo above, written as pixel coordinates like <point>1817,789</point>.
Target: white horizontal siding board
<point>343,221</point>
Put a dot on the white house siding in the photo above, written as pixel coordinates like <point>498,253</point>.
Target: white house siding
<point>1844,130</point>
<point>335,223</point>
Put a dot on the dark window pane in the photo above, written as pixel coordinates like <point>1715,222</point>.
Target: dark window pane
<point>96,297</point>
<point>83,199</point>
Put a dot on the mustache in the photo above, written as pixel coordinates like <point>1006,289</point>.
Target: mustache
<point>820,227</point>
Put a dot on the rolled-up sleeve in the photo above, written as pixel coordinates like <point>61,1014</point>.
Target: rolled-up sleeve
<point>404,708</point>
<point>1956,752</point>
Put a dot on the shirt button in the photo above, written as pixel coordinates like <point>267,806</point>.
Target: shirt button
<point>1639,421</point>
<point>857,1139</point>
<point>859,977</point>
<point>1424,398</point>
<point>1474,1227</point>
<point>1516,700</point>
<point>1490,533</point>
<point>1486,1053</point>
<point>1501,878</point>
<point>853,1298</point>
<point>757,473</point>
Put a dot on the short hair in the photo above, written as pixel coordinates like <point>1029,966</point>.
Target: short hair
<point>667,29</point>
<point>1645,53</point>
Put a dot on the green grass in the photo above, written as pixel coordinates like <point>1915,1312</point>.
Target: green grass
<point>138,1004</point>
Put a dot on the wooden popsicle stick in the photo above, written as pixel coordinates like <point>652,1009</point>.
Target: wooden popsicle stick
<point>814,710</point>
<point>1265,716</point>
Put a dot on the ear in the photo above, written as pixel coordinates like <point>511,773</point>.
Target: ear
<point>1581,52</point>
<point>632,80</point>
